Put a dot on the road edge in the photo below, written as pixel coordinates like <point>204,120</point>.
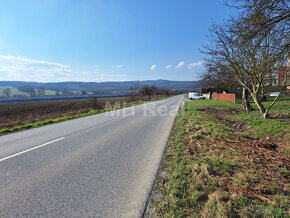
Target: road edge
<point>148,210</point>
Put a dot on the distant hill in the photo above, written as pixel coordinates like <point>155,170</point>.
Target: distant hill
<point>106,86</point>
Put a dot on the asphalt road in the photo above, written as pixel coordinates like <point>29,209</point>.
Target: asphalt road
<point>97,166</point>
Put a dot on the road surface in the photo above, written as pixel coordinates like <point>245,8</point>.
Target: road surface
<point>98,166</point>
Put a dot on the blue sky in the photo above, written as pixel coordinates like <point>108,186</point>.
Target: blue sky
<point>104,40</point>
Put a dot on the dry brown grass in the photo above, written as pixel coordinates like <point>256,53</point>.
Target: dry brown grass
<point>216,165</point>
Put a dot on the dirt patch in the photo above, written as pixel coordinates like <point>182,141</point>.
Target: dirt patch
<point>234,124</point>
<point>275,115</point>
<point>257,168</point>
<point>256,164</point>
<point>219,116</point>
<point>13,114</point>
<point>261,165</point>
<point>265,166</point>
<point>221,110</point>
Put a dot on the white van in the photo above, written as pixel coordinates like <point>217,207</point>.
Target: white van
<point>195,96</point>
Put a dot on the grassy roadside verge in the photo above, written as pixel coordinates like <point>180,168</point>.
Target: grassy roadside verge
<point>64,118</point>
<point>221,162</point>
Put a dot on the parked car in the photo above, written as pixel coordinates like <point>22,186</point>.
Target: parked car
<point>195,96</point>
<point>274,94</point>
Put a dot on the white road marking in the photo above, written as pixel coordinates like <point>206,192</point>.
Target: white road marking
<point>129,115</point>
<point>30,149</point>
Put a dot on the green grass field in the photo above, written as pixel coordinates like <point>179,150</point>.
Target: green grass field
<point>15,91</point>
<point>223,162</point>
<point>50,92</point>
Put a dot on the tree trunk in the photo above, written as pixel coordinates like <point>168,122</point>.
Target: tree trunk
<point>245,100</point>
<point>262,93</point>
<point>261,107</point>
<point>266,114</point>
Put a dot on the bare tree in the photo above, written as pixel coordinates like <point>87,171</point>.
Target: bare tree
<point>251,59</point>
<point>267,20</point>
<point>154,91</point>
<point>165,92</point>
<point>133,93</point>
<point>57,92</point>
<point>276,13</point>
<point>146,91</point>
<point>65,92</point>
<point>158,93</point>
<point>219,77</point>
<point>7,92</point>
<point>142,94</point>
<point>40,91</point>
<point>27,88</point>
<point>84,92</point>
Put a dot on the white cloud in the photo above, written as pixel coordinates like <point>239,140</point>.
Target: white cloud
<point>153,67</point>
<point>168,66</point>
<point>195,64</point>
<point>27,69</point>
<point>26,61</point>
<point>180,64</point>
<point>119,66</point>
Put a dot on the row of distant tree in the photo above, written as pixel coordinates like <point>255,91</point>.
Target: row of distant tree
<point>145,92</point>
<point>247,49</point>
<point>40,91</point>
